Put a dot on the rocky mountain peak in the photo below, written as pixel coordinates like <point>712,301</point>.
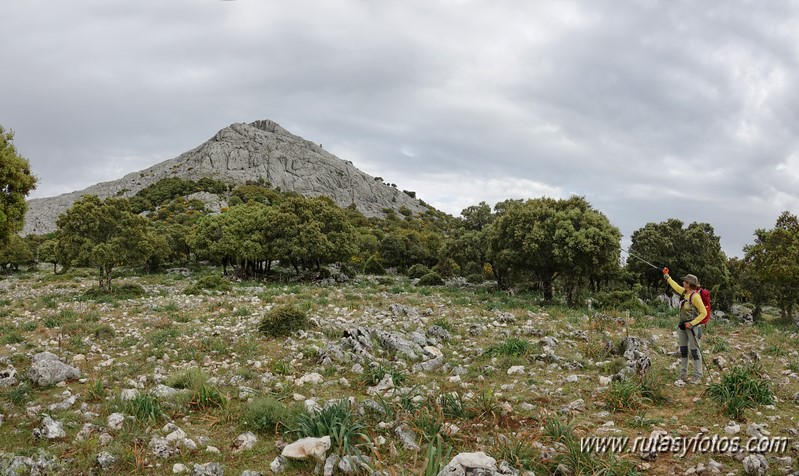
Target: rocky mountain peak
<point>261,150</point>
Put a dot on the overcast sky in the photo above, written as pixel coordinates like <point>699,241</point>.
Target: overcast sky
<point>649,109</point>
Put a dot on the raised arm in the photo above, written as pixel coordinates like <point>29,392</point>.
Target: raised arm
<point>676,287</point>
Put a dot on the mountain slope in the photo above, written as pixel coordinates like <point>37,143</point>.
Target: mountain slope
<point>242,152</point>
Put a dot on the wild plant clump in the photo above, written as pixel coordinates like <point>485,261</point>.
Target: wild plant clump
<point>282,321</point>
<point>264,415</point>
<point>430,279</point>
<point>337,420</point>
<point>417,271</point>
<point>373,266</point>
<point>740,388</point>
<point>209,283</point>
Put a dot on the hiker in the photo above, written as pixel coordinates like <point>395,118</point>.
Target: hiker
<point>689,331</point>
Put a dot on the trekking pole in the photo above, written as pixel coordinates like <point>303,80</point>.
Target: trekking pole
<point>704,364</point>
<point>639,258</point>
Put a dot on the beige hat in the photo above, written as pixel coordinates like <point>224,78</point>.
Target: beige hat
<point>691,279</point>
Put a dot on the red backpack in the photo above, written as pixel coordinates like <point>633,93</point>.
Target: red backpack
<point>705,295</point>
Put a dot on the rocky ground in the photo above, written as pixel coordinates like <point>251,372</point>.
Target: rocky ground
<point>448,380</point>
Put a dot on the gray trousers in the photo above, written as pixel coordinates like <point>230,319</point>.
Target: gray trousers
<point>687,343</point>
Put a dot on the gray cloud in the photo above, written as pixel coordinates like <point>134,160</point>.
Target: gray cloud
<point>650,109</point>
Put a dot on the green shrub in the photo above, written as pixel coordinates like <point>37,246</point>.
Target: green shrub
<point>430,279</point>
<point>740,388</point>
<point>518,452</point>
<point>417,271</point>
<point>192,378</point>
<point>144,408</point>
<point>264,415</point>
<point>373,266</point>
<point>336,420</point>
<point>282,321</point>
<point>475,278</point>
<point>212,282</point>
<point>207,397</point>
<point>620,300</point>
<point>12,337</point>
<point>623,395</point>
<point>512,347</point>
<point>373,375</point>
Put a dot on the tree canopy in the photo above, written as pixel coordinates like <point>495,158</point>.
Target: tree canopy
<point>103,234</point>
<point>16,181</point>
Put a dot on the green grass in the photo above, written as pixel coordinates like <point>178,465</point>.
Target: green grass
<point>265,415</point>
<point>337,420</point>
<point>512,347</point>
<point>192,378</point>
<point>144,408</point>
<point>741,388</point>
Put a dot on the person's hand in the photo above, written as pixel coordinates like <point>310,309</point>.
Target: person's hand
<point>681,326</point>
<point>688,325</point>
<point>665,273</point>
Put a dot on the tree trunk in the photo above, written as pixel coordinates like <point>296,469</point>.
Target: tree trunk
<point>547,283</point>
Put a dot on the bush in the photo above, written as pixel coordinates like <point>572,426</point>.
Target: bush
<point>512,347</point>
<point>447,267</point>
<point>430,279</point>
<point>264,415</point>
<point>144,408</point>
<point>338,421</point>
<point>739,389</point>
<point>282,321</point>
<point>475,278</point>
<point>417,271</point>
<point>623,395</point>
<point>620,300</point>
<point>373,266</point>
<point>192,378</point>
<point>209,283</point>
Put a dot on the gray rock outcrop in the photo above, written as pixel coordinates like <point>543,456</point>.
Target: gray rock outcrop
<point>48,370</point>
<point>261,150</point>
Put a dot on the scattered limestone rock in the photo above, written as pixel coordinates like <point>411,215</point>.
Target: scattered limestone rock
<point>755,465</point>
<point>48,370</point>
<point>305,447</point>
<point>244,441</point>
<point>49,429</point>
<point>467,463</point>
<point>106,460</point>
<point>330,465</point>
<point>160,447</point>
<point>179,468</point>
<point>8,377</point>
<point>732,428</point>
<point>407,437</point>
<point>278,465</point>
<point>312,378</point>
<point>208,469</point>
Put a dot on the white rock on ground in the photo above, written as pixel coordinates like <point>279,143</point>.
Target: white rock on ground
<point>305,447</point>
<point>755,465</point>
<point>208,469</point>
<point>50,429</point>
<point>105,460</point>
<point>407,437</point>
<point>179,468</point>
<point>115,421</point>
<point>278,465</point>
<point>244,441</point>
<point>47,370</point>
<point>467,462</point>
<point>732,428</point>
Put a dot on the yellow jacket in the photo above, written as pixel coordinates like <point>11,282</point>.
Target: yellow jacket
<point>696,301</point>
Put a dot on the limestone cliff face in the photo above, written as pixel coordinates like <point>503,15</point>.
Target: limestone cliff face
<point>239,153</point>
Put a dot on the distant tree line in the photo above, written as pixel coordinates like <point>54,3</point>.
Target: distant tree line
<point>560,248</point>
